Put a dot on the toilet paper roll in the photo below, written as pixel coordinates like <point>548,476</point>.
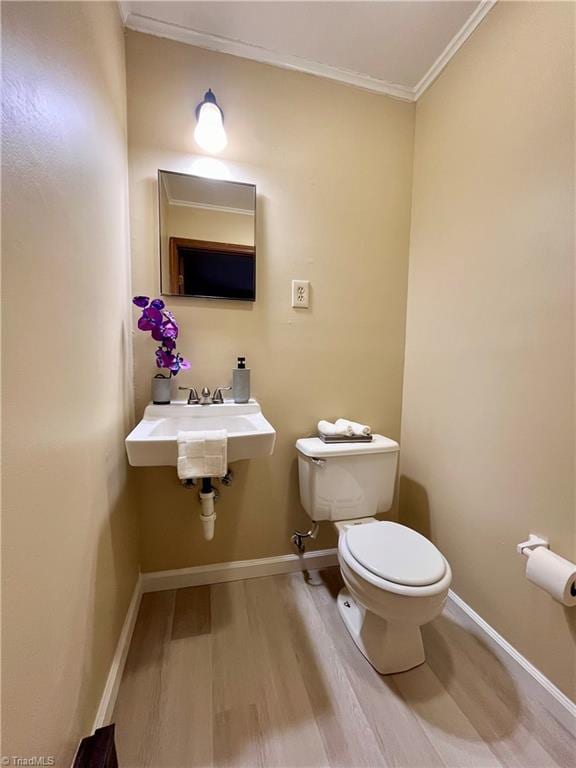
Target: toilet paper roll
<point>554,574</point>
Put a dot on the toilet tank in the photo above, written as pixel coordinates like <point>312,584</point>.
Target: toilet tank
<point>344,481</point>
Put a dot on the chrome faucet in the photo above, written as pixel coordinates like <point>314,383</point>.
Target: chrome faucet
<point>205,398</point>
<point>192,395</point>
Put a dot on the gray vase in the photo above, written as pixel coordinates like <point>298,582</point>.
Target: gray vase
<point>161,389</point>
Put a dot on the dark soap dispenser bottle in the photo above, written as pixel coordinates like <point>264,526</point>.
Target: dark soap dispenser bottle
<point>241,382</point>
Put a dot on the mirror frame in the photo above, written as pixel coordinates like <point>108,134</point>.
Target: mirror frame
<point>204,178</point>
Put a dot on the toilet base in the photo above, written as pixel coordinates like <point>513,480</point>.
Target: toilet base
<point>389,646</point>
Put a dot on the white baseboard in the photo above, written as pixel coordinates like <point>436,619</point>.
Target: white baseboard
<point>108,700</point>
<point>543,689</point>
<point>236,570</point>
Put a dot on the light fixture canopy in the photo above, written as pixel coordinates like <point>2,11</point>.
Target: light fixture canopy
<point>209,132</point>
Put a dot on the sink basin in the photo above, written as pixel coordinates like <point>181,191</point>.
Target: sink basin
<point>152,442</point>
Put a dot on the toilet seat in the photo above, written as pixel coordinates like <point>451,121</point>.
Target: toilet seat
<point>396,553</point>
<point>394,587</point>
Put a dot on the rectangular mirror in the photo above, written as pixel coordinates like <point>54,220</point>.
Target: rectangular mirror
<point>207,237</point>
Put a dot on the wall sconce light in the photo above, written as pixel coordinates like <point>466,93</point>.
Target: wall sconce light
<point>209,132</point>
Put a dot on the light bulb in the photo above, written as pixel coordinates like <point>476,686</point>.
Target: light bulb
<point>209,132</point>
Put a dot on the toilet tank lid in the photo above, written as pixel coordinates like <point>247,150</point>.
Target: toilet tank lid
<point>396,553</point>
<point>315,448</point>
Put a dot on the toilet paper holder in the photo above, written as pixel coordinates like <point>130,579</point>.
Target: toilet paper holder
<point>532,543</point>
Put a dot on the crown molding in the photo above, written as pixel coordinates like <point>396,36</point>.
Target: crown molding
<point>150,26</point>
<point>124,10</point>
<point>453,46</point>
<point>209,207</point>
<point>141,23</point>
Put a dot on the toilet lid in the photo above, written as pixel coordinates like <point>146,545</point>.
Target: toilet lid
<point>396,553</point>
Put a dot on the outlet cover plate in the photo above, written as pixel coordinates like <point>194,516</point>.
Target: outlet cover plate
<point>301,294</point>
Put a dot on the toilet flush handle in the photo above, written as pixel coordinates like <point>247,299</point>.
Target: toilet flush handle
<point>319,462</point>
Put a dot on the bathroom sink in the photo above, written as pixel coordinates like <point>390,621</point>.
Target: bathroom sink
<point>152,442</point>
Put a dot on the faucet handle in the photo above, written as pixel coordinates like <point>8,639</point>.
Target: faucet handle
<point>192,396</point>
<point>217,397</point>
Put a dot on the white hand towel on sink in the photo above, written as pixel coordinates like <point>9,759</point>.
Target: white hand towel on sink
<point>354,428</point>
<point>328,428</point>
<point>202,454</point>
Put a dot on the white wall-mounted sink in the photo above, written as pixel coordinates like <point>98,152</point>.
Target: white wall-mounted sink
<point>152,442</point>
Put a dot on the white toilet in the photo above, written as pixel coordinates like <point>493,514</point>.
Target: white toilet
<point>396,580</point>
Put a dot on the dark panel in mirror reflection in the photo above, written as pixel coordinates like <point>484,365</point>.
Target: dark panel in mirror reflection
<point>207,237</point>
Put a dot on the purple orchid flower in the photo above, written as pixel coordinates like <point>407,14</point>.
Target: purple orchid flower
<point>163,328</point>
<point>157,333</point>
<point>166,331</point>
<point>150,319</point>
<point>154,315</point>
<point>144,324</point>
<point>164,359</point>
<point>170,330</point>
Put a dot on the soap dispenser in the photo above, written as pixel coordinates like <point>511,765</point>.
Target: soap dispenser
<point>241,382</point>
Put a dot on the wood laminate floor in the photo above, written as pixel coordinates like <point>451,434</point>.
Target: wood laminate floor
<point>263,673</point>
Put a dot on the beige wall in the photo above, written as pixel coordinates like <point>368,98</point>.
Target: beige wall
<point>69,534</point>
<point>488,419</point>
<point>333,169</point>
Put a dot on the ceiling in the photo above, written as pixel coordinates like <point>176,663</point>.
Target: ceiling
<point>183,189</point>
<point>393,47</point>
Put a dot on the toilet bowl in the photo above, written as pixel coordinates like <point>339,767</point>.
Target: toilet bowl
<point>395,579</point>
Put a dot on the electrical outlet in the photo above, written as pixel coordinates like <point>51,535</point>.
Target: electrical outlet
<point>301,293</point>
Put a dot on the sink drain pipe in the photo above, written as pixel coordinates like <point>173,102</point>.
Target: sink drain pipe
<point>207,513</point>
<point>208,496</point>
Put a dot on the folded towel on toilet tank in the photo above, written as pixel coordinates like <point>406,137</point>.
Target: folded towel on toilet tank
<point>343,428</point>
<point>354,427</point>
<point>331,430</point>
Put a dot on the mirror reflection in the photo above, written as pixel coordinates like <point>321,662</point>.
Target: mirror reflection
<point>207,237</point>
